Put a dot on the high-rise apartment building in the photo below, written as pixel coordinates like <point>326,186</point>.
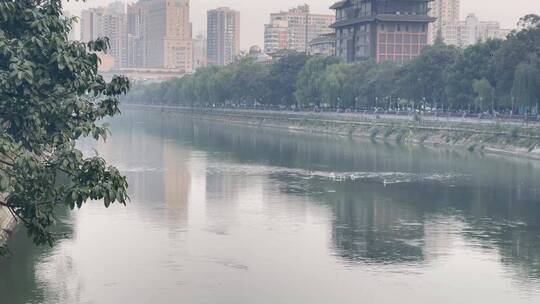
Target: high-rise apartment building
<point>446,12</point>
<point>276,35</point>
<point>391,30</point>
<point>199,52</point>
<point>471,31</point>
<point>295,29</point>
<point>223,36</point>
<point>110,22</point>
<point>91,25</point>
<point>115,28</point>
<point>134,36</point>
<point>160,35</point>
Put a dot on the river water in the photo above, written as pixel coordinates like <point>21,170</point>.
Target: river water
<point>230,214</point>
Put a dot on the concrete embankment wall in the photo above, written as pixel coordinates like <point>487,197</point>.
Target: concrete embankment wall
<point>487,136</point>
<point>7,223</point>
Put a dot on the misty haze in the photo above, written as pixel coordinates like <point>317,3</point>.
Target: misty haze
<point>234,151</point>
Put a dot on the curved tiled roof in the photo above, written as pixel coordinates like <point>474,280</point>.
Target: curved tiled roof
<point>339,4</point>
<point>325,38</point>
<point>384,17</point>
<point>344,3</point>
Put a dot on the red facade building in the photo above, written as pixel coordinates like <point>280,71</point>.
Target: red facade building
<point>385,30</point>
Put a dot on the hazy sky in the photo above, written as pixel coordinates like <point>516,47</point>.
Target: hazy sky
<point>255,13</point>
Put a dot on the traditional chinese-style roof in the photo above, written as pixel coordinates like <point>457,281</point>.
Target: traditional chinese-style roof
<point>344,3</point>
<point>324,38</point>
<point>339,4</point>
<point>384,17</point>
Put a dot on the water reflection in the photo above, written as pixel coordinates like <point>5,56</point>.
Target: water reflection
<point>176,182</point>
<point>242,215</point>
<point>22,275</point>
<point>398,218</point>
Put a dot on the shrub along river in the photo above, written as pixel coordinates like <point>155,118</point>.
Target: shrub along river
<point>229,214</point>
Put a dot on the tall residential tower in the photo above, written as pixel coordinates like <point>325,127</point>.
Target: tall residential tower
<point>199,52</point>
<point>160,34</point>
<point>91,24</point>
<point>110,22</point>
<point>223,36</point>
<point>471,31</point>
<point>446,12</point>
<point>294,29</point>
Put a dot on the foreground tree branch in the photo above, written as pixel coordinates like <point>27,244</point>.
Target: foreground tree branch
<point>50,96</point>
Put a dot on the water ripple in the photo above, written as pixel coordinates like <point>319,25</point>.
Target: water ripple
<point>386,178</point>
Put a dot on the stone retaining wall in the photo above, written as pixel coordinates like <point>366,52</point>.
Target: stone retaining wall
<point>509,138</point>
<point>7,223</point>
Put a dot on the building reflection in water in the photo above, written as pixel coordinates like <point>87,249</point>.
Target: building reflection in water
<point>491,204</point>
<point>397,223</point>
<point>176,182</point>
<point>217,209</point>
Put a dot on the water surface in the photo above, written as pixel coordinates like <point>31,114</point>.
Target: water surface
<point>229,214</point>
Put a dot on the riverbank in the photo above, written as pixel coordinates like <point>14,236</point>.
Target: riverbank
<point>7,224</point>
<point>510,138</point>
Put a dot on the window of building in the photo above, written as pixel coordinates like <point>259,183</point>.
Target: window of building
<point>390,49</point>
<point>407,49</point>
<point>407,38</point>
<point>390,38</point>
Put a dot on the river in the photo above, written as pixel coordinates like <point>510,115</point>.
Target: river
<point>231,214</point>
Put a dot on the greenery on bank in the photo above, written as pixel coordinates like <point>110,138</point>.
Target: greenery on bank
<point>492,75</point>
<point>51,95</point>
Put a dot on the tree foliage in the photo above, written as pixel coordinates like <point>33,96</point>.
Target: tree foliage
<point>282,78</point>
<point>424,78</point>
<point>441,76</point>
<point>527,85</point>
<point>475,62</point>
<point>51,95</point>
<point>311,79</point>
<point>485,93</point>
<point>517,49</point>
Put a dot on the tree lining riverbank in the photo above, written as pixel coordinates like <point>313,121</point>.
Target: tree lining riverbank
<point>498,137</point>
<point>501,77</point>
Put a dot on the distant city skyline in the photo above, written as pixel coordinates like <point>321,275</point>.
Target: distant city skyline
<point>256,13</point>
